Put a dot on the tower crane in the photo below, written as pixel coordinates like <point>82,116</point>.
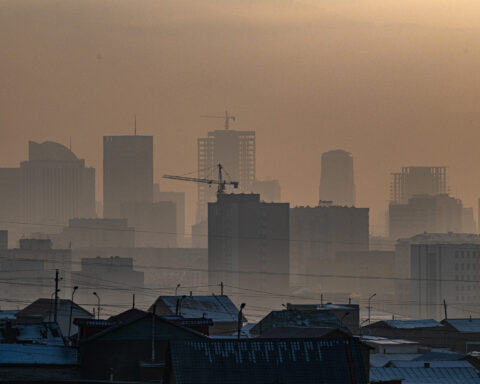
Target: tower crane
<point>227,118</point>
<point>221,182</point>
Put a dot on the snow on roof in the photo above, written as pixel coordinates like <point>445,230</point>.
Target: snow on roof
<point>465,325</point>
<point>29,354</point>
<point>217,308</point>
<point>38,333</point>
<point>382,359</point>
<point>433,364</point>
<point>412,324</point>
<point>385,340</point>
<point>454,375</point>
<point>8,314</point>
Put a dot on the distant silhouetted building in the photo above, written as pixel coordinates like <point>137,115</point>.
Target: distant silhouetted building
<point>468,223</point>
<point>200,235</point>
<point>413,181</point>
<point>248,243</point>
<point>127,172</point>
<point>56,185</point>
<point>425,213</point>
<point>337,182</point>
<point>269,190</point>
<point>235,150</point>
<point>91,233</point>
<point>178,198</point>
<point>113,278</point>
<point>10,194</point>
<point>155,223</point>
<point>318,233</point>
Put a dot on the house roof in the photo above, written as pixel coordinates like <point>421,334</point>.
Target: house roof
<point>218,308</point>
<point>433,364</point>
<point>30,354</point>
<point>119,326</point>
<point>8,315</point>
<point>266,361</point>
<point>298,318</point>
<point>440,356</point>
<point>464,325</point>
<point>127,316</point>
<point>382,359</point>
<point>38,333</point>
<point>386,341</point>
<point>411,324</point>
<point>453,375</point>
<point>44,307</point>
<point>301,332</point>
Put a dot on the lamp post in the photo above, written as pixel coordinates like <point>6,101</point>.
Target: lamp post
<point>98,306</point>
<point>240,318</point>
<point>369,307</point>
<point>176,289</point>
<point>71,309</point>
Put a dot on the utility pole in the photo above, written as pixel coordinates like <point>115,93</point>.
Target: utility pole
<point>369,307</point>
<point>221,288</point>
<point>445,308</point>
<point>56,297</point>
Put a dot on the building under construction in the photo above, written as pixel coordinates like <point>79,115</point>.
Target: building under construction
<point>417,181</point>
<point>235,150</point>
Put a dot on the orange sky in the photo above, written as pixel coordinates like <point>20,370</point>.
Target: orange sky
<point>395,83</point>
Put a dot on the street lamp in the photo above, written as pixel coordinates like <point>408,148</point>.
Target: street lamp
<point>369,307</point>
<point>71,309</point>
<point>240,318</point>
<point>98,306</point>
<point>176,289</point>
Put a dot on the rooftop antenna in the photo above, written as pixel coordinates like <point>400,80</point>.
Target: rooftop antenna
<point>135,123</point>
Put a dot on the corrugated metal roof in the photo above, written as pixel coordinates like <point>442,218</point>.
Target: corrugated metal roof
<point>382,359</point>
<point>333,361</point>
<point>412,324</point>
<point>440,356</point>
<point>29,354</point>
<point>294,318</point>
<point>43,307</point>
<point>301,332</point>
<point>427,375</point>
<point>433,364</point>
<point>465,325</point>
<point>217,308</point>
<point>8,314</point>
<point>386,341</point>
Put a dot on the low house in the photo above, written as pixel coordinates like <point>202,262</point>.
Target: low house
<point>387,346</point>
<point>131,350</point>
<point>35,352</point>
<point>430,333</point>
<point>219,309</point>
<point>257,361</point>
<point>297,318</point>
<point>464,334</point>
<point>348,314</point>
<point>43,310</point>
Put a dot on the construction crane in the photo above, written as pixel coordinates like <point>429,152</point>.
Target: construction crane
<point>227,118</point>
<point>220,182</point>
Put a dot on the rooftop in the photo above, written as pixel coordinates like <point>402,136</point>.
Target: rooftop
<point>441,238</point>
<point>464,325</point>
<point>449,375</point>
<point>43,307</point>
<point>29,354</point>
<point>38,333</point>
<point>412,324</point>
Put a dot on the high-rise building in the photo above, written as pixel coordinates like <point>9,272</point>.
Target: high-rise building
<point>425,213</point>
<point>248,244</point>
<point>55,185</point>
<point>318,233</point>
<point>127,172</point>
<point>235,150</point>
<point>337,182</point>
<point>413,181</point>
<point>178,198</point>
<point>269,190</point>
<point>10,195</point>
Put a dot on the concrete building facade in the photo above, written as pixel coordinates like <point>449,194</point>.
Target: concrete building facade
<point>127,172</point>
<point>55,185</point>
<point>235,150</point>
<point>248,243</point>
<point>337,181</point>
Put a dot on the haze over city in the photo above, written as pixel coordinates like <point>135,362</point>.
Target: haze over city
<point>233,191</point>
<point>394,83</point>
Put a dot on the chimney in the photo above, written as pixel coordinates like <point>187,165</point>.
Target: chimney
<point>426,364</point>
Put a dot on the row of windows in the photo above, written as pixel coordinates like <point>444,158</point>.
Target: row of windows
<point>467,288</point>
<point>474,278</point>
<point>468,299</point>
<point>467,254</point>
<point>466,267</point>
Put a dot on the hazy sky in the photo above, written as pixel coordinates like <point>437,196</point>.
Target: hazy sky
<point>397,83</point>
